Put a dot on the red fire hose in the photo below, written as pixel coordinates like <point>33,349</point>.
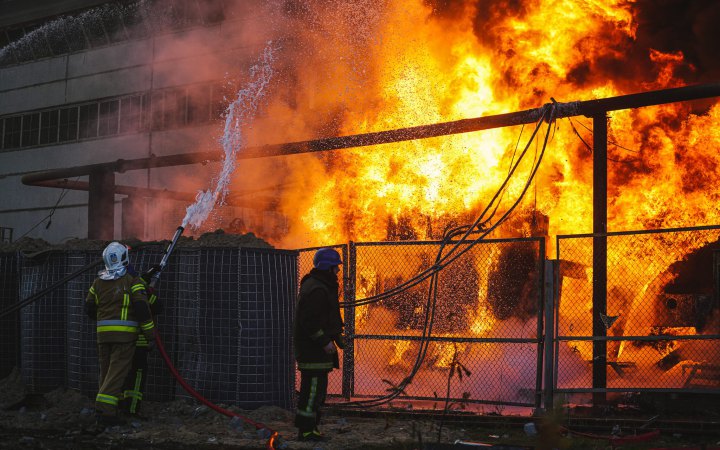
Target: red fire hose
<point>259,426</point>
<point>619,440</point>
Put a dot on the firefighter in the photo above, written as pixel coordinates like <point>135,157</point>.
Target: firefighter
<point>137,376</point>
<point>317,334</point>
<point>118,302</point>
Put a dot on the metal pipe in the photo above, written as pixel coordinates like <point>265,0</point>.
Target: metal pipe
<point>587,108</point>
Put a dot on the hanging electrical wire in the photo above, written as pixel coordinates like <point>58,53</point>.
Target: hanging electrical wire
<point>465,230</point>
<point>442,261</point>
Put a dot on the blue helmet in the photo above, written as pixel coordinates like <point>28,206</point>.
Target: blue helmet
<point>325,258</point>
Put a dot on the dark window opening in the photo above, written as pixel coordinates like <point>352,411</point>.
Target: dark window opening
<point>174,108</point>
<point>156,105</point>
<point>12,133</point>
<point>219,101</point>
<point>88,121</point>
<point>108,123</point>
<point>49,127</point>
<point>30,129</point>
<point>198,108</point>
<point>68,124</point>
<point>131,114</point>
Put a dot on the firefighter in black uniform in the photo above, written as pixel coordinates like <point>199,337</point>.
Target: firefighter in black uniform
<point>118,302</point>
<point>137,376</point>
<point>317,334</point>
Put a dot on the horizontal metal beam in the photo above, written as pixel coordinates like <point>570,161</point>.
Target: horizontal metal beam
<point>587,108</point>
<point>259,203</point>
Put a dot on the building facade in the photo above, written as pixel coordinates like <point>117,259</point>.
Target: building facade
<point>87,85</point>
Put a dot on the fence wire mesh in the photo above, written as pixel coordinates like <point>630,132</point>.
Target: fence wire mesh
<point>43,336</point>
<point>226,323</point>
<point>662,319</point>
<point>485,319</point>
<point>10,324</point>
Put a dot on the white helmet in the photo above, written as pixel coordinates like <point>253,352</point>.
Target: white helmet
<point>115,257</point>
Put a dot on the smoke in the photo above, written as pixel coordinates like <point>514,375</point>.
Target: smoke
<point>237,116</point>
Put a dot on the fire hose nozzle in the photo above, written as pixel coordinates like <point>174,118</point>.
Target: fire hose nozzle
<point>166,256</point>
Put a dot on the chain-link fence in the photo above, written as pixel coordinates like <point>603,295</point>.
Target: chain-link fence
<point>660,323</point>
<point>10,324</point>
<point>486,317</point>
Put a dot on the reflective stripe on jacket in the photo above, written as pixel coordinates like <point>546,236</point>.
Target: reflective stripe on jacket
<point>121,309</point>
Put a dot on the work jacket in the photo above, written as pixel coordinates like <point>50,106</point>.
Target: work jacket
<point>155,308</point>
<point>317,321</point>
<point>121,309</point>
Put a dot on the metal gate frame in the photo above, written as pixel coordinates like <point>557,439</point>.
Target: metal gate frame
<point>349,276</point>
<point>601,339</point>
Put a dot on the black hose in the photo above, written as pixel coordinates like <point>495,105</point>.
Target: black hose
<point>36,296</point>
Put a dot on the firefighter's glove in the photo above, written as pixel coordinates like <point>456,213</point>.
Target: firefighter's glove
<point>340,341</point>
<point>147,276</point>
<point>330,348</point>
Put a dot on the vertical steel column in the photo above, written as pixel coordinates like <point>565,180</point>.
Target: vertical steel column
<point>348,375</point>
<point>552,271</point>
<point>540,321</point>
<point>101,205</point>
<point>599,362</point>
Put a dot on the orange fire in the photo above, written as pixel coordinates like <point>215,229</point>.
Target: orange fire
<point>370,66</point>
<point>408,64</point>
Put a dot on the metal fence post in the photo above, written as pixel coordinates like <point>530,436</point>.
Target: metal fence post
<point>540,338</point>
<point>348,375</point>
<point>599,364</point>
<point>552,269</point>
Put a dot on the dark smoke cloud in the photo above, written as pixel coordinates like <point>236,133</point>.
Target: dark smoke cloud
<point>669,26</point>
<point>692,27</point>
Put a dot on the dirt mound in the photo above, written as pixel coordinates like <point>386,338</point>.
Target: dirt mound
<point>217,238</point>
<point>12,390</point>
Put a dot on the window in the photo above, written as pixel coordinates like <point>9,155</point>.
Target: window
<point>160,110</point>
<point>6,235</point>
<point>30,129</point>
<point>11,135</point>
<point>174,108</point>
<point>49,127</point>
<point>108,123</point>
<point>156,105</point>
<point>88,121</point>
<point>219,103</point>
<point>131,114</point>
<point>198,108</point>
<point>68,124</point>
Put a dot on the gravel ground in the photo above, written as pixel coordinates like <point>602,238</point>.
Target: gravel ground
<point>63,419</point>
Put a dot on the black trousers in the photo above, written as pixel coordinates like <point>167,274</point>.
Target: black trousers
<point>313,390</point>
<point>134,385</point>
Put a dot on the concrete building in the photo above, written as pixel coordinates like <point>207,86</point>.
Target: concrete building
<point>85,83</point>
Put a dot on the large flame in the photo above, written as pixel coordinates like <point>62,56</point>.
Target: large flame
<point>405,64</point>
<point>366,66</point>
